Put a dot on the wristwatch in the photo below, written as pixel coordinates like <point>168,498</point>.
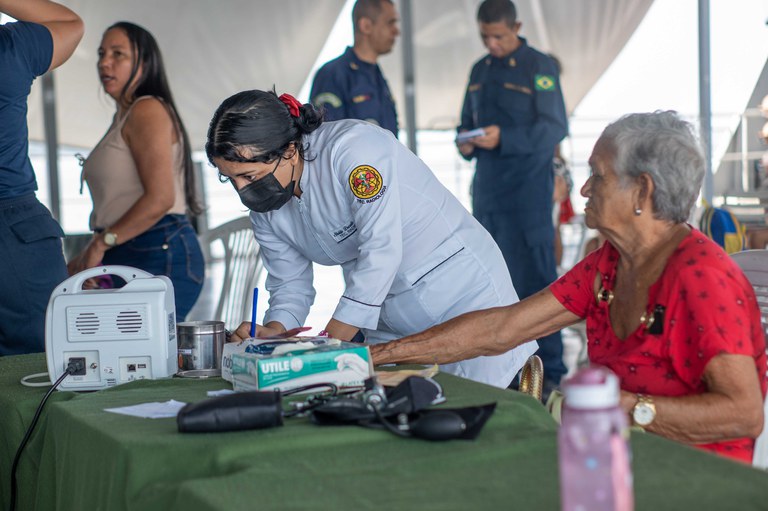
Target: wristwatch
<point>644,411</point>
<point>110,238</point>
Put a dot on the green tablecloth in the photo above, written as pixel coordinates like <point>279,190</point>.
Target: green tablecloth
<point>82,458</point>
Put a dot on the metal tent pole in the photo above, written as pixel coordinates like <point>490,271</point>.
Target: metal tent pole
<point>409,82</point>
<point>51,144</point>
<point>705,97</point>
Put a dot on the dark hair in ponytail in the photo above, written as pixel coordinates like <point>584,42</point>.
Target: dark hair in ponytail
<point>153,82</point>
<point>256,126</point>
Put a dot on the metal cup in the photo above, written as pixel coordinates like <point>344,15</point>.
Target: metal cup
<point>200,344</point>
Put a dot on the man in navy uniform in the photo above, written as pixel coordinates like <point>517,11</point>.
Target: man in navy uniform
<point>514,96</point>
<point>352,86</point>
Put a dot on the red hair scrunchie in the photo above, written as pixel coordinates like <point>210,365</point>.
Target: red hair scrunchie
<point>292,104</point>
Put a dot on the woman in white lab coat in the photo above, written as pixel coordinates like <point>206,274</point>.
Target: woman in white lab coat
<point>348,193</point>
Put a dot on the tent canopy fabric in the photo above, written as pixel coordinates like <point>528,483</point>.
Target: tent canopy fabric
<point>584,35</point>
<point>214,49</point>
<point>211,50</point>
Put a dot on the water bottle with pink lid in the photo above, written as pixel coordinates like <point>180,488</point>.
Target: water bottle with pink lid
<point>593,448</point>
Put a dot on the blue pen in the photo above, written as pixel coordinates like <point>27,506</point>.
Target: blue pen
<point>253,313</point>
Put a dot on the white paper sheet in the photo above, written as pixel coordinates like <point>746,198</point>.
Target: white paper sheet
<point>150,410</point>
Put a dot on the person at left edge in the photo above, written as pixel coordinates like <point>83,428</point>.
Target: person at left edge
<point>352,86</point>
<point>140,174</point>
<point>31,256</point>
<point>348,193</point>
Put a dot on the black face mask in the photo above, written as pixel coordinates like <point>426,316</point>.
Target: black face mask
<point>266,194</point>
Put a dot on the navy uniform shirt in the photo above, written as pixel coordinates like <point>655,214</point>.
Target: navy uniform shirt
<point>349,88</point>
<point>26,50</point>
<point>521,94</point>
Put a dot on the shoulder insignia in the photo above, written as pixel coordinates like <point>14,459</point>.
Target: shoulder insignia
<point>327,98</point>
<point>544,82</point>
<point>518,88</point>
<point>474,87</point>
<point>488,61</point>
<point>365,182</point>
<point>354,66</point>
<point>360,98</point>
<point>512,62</point>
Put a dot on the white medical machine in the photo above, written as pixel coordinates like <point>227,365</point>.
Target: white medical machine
<point>119,335</point>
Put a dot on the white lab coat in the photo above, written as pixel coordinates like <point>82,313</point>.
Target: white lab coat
<point>411,254</point>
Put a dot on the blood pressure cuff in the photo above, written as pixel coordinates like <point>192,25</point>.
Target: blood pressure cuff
<point>232,412</point>
<point>410,400</point>
<point>411,395</point>
<point>448,424</point>
<point>438,424</point>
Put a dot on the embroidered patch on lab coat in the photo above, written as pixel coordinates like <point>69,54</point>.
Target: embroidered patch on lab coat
<point>344,232</point>
<point>366,183</point>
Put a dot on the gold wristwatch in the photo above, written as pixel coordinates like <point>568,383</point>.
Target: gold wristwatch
<point>110,238</point>
<point>644,411</point>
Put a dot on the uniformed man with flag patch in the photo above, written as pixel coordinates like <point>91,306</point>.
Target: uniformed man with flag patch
<point>514,96</point>
<point>352,85</point>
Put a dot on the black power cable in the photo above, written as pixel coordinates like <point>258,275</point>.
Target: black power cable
<point>73,367</point>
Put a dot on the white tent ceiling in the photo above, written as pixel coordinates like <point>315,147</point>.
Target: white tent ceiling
<point>211,49</point>
<point>585,35</point>
<point>215,48</point>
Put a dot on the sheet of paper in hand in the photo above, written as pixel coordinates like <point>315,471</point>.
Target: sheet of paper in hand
<point>466,136</point>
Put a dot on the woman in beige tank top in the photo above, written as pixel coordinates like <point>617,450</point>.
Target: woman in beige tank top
<point>140,174</point>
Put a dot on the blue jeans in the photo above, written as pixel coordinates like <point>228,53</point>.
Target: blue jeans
<point>31,266</point>
<point>170,248</point>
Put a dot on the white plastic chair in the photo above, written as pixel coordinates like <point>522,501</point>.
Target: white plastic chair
<point>242,268</point>
<point>754,264</point>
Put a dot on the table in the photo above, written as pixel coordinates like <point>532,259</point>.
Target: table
<point>82,458</point>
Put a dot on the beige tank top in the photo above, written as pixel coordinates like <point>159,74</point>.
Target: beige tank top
<point>113,178</point>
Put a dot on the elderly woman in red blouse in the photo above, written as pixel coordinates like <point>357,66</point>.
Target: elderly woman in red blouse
<point>666,308</point>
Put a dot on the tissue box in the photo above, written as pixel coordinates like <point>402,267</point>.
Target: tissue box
<point>295,363</point>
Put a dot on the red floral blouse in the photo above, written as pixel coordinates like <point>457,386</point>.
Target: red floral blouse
<point>704,306</point>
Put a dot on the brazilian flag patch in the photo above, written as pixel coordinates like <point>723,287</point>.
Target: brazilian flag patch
<point>544,82</point>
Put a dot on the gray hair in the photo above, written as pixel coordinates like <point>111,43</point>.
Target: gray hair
<point>663,146</point>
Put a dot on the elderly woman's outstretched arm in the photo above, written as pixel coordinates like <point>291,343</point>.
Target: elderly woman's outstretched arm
<point>480,333</point>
